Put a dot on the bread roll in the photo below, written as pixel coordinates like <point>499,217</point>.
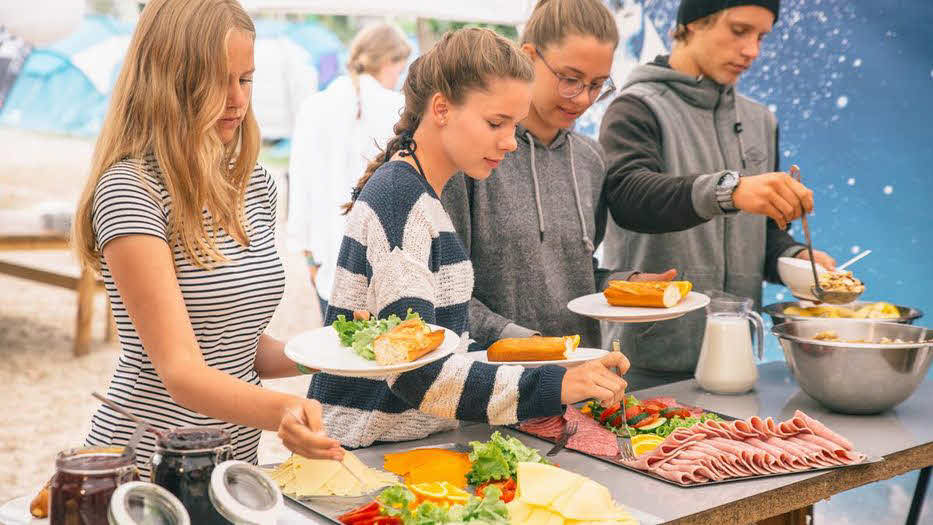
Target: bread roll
<point>652,294</point>
<point>406,342</point>
<point>532,348</point>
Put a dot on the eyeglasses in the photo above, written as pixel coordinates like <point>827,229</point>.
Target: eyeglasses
<point>570,87</point>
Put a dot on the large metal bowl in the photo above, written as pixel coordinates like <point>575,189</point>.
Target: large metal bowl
<point>856,378</point>
<point>776,311</point>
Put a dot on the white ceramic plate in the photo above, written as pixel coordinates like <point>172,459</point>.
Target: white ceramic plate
<point>577,357</point>
<point>321,349</point>
<point>596,306</point>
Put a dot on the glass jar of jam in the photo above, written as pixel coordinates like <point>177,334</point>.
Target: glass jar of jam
<point>183,462</point>
<point>85,479</point>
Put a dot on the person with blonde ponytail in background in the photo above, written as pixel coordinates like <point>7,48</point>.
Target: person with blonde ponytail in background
<point>179,220</point>
<point>337,131</point>
<point>463,100</point>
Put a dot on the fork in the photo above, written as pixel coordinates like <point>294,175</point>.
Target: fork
<point>625,445</point>
<point>569,430</point>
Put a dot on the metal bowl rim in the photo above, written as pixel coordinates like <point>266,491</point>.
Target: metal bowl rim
<point>777,310</point>
<point>835,344</point>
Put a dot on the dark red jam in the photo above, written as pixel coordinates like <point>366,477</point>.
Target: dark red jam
<point>84,481</point>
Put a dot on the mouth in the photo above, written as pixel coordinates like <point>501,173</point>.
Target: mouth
<point>492,163</point>
<point>736,68</point>
<point>229,121</point>
<point>566,113</point>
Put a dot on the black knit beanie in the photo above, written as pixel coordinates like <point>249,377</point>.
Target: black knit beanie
<point>692,10</point>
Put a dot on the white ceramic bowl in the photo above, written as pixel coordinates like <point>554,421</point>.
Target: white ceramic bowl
<point>797,276</point>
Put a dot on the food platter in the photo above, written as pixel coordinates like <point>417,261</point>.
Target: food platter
<point>320,349</point>
<point>595,306</point>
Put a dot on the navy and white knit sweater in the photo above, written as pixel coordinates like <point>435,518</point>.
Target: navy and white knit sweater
<point>400,251</point>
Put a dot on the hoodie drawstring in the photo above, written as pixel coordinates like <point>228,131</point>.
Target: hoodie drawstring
<point>534,177</point>
<point>576,192</point>
<point>738,128</point>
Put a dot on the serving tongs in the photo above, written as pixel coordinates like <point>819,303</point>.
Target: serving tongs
<point>823,295</point>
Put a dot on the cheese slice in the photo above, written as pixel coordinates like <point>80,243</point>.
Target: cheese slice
<point>551,495</point>
<point>300,477</point>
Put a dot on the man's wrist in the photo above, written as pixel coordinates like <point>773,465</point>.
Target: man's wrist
<point>725,190</point>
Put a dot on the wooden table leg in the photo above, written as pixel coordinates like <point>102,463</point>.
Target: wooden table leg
<point>111,328</point>
<point>85,288</point>
<point>795,517</point>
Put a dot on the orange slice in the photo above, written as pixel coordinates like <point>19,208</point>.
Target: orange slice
<point>431,491</point>
<point>455,494</point>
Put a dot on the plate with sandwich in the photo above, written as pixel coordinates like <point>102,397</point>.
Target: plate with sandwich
<point>640,302</point>
<point>532,352</point>
<point>372,348</point>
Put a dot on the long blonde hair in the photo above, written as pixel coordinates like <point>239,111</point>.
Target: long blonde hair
<point>552,20</point>
<point>371,49</point>
<point>462,61</point>
<point>170,93</point>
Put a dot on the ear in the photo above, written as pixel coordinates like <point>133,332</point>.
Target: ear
<point>439,109</point>
<point>529,49</point>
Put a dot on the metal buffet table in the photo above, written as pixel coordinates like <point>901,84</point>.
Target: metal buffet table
<point>903,437</point>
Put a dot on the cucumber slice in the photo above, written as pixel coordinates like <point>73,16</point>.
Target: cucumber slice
<point>652,426</point>
<point>636,418</point>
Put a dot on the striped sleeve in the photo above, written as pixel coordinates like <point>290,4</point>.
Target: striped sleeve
<point>127,203</point>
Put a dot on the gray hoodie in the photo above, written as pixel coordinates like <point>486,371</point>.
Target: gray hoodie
<point>530,231</point>
<point>668,139</point>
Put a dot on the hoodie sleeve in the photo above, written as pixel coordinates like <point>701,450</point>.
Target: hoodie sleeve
<point>778,243</point>
<point>486,326</point>
<point>640,196</point>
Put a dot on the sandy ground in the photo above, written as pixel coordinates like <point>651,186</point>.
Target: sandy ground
<point>45,404</point>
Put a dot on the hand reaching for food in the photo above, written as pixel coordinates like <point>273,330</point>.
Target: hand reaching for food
<point>596,380</point>
<point>822,258</point>
<point>666,276</point>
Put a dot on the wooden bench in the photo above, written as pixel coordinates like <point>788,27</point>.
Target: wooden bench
<point>83,282</point>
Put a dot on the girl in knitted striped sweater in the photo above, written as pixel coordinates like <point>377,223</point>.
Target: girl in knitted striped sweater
<point>463,100</point>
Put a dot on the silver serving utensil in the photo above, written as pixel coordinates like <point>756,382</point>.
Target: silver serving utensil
<point>569,430</point>
<point>625,445</point>
<point>826,296</point>
<point>858,257</point>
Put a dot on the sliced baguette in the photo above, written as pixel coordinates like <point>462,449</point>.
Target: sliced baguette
<point>532,348</point>
<point>652,294</point>
<point>407,342</point>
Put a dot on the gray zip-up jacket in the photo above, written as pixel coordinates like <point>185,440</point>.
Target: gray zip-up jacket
<point>530,231</point>
<point>668,139</point>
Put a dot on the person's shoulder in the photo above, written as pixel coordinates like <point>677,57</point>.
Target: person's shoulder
<point>752,108</point>
<point>394,188</point>
<point>132,175</point>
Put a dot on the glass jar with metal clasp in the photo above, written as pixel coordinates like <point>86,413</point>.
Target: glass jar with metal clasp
<point>85,479</point>
<point>141,503</point>
<point>244,494</point>
<point>183,463</point>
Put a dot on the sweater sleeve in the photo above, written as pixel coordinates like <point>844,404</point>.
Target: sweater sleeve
<point>640,195</point>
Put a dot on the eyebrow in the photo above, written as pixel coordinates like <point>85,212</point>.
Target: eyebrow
<point>250,72</point>
<point>582,74</point>
<point>504,116</point>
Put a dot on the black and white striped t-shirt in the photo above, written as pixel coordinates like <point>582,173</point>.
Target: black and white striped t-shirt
<point>229,306</point>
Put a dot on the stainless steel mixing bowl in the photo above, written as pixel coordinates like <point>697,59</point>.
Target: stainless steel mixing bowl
<point>776,311</point>
<point>856,378</point>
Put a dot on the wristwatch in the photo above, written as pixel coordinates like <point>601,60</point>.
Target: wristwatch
<point>725,188</point>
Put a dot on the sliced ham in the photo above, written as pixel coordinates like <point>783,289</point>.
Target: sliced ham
<point>716,450</point>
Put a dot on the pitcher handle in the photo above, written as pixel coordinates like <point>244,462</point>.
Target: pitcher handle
<point>759,333</point>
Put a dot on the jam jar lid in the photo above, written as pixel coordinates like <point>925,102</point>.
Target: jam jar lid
<point>244,494</point>
<point>190,439</point>
<point>141,503</point>
<point>93,460</point>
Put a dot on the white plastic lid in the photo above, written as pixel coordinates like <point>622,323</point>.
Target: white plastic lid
<point>141,503</point>
<point>244,494</point>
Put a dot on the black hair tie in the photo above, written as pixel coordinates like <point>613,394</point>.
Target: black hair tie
<point>407,144</point>
<point>355,193</point>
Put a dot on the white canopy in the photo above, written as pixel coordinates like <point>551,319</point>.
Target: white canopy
<point>485,11</point>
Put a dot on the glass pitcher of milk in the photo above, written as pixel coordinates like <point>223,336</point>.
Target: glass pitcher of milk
<point>727,365</point>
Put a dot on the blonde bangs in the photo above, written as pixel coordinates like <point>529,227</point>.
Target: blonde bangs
<point>168,97</point>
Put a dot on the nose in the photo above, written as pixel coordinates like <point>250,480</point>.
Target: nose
<point>237,94</point>
<point>508,143</point>
<point>751,49</point>
<point>584,98</point>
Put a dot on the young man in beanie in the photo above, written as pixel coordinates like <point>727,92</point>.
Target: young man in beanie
<point>693,179</point>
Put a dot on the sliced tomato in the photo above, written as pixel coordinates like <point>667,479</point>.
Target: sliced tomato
<point>653,406</point>
<point>675,412</point>
<point>617,421</point>
<point>608,413</point>
<point>361,512</point>
<point>632,411</point>
<point>386,520</point>
<point>507,487</point>
<point>647,421</point>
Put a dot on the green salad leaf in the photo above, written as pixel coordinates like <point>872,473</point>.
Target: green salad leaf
<point>495,460</point>
<point>489,510</point>
<point>359,335</point>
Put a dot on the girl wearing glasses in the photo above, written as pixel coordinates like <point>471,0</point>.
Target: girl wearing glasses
<point>531,229</point>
